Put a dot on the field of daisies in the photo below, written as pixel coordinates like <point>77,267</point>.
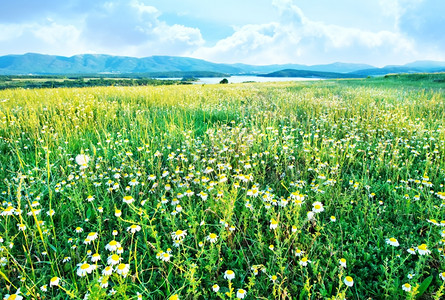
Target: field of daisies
<point>321,190</point>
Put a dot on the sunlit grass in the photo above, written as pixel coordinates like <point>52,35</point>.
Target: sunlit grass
<point>308,190</point>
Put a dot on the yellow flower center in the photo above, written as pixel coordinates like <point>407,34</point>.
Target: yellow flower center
<point>392,240</point>
<point>113,243</point>
<point>317,206</point>
<point>178,232</point>
<point>115,257</point>
<point>349,279</point>
<point>121,267</point>
<point>212,236</point>
<point>84,266</point>
<point>229,272</point>
<point>422,247</point>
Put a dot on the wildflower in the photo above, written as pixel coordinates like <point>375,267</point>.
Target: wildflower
<point>95,257</point>
<point>273,223</point>
<point>117,212</point>
<point>393,242</point>
<point>406,287</point>
<point>90,198</point>
<point>15,296</point>
<point>411,251</point>
<point>349,281</point>
<point>134,228</point>
<point>212,237</point>
<point>112,246</point>
<point>174,297</point>
<point>123,269</point>
<point>104,282</point>
<point>298,252</point>
<point>128,199</point>
<point>44,288</point>
<point>304,261</point>
<point>113,259</point>
<point>333,219</point>
<point>310,215</point>
<point>240,294</point>
<point>92,236</point>
<point>271,247</point>
<point>179,234</point>
<point>423,249</point>
<point>21,226</point>
<point>215,288</point>
<point>442,275</point>
<point>411,276</point>
<point>107,271</point>
<point>433,221</point>
<point>273,278</point>
<point>85,268</point>
<point>8,211</point>
<point>54,281</point>
<point>66,259</point>
<point>342,262</point>
<point>229,275</point>
<point>165,256</point>
<point>317,207</point>
<point>82,159</point>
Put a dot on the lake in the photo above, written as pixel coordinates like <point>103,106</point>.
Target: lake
<point>239,79</point>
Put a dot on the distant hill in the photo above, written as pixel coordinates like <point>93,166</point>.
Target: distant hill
<point>40,64</point>
<point>32,63</point>
<point>310,74</point>
<point>414,67</point>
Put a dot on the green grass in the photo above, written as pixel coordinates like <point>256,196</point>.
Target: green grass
<point>238,160</point>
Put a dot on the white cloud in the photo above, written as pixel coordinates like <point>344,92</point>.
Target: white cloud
<point>295,38</point>
<point>114,27</point>
<point>265,34</point>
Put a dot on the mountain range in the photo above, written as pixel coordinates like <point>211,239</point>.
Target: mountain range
<point>40,64</point>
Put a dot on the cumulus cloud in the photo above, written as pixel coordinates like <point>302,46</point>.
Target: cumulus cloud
<point>279,32</point>
<point>118,27</point>
<point>296,38</point>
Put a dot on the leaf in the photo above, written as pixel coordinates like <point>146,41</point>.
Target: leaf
<point>424,286</point>
<point>89,212</point>
<point>52,247</point>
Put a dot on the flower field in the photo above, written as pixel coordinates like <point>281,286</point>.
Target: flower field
<point>321,190</point>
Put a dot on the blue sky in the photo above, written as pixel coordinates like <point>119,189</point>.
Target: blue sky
<point>377,32</point>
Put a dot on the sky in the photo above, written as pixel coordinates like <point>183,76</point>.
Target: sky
<point>259,32</point>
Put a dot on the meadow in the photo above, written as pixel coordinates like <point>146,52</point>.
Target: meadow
<point>307,190</point>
